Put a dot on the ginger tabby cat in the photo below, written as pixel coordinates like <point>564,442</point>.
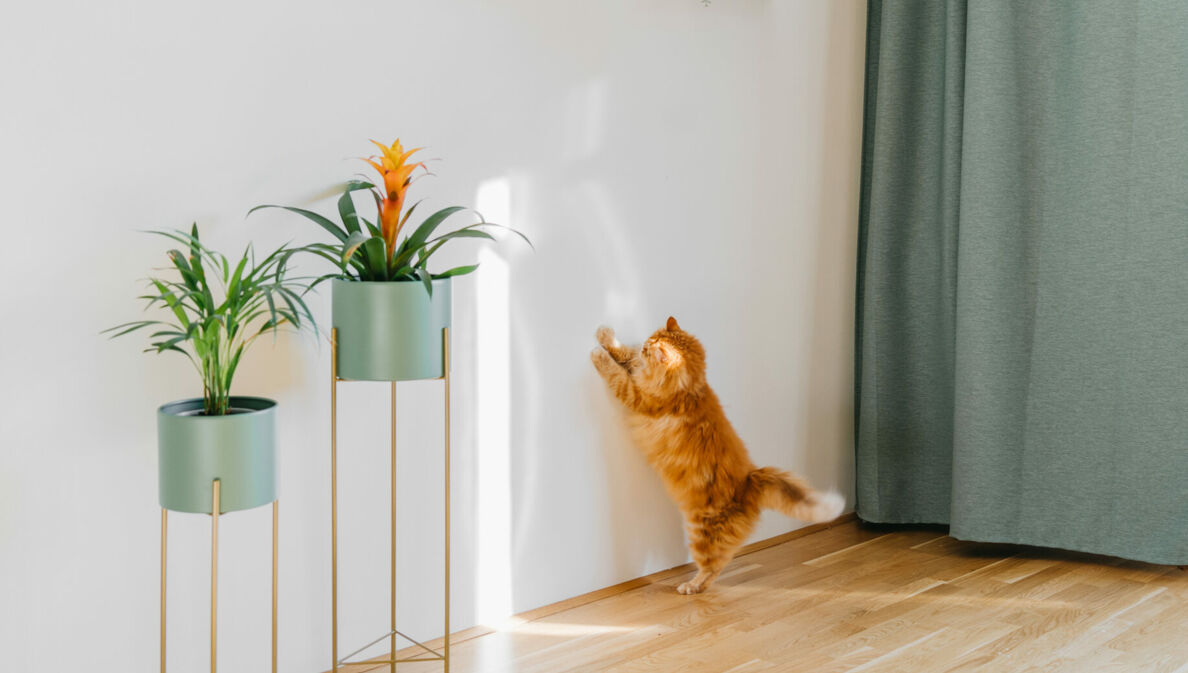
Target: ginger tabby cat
<point>677,421</point>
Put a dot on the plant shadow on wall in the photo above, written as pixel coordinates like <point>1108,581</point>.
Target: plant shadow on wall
<point>638,543</point>
<point>642,528</point>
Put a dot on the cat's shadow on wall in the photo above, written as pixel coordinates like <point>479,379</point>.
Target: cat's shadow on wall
<point>646,529</point>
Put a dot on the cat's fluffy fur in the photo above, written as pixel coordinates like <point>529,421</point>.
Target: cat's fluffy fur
<point>679,424</point>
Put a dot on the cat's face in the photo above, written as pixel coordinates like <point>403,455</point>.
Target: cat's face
<point>672,357</point>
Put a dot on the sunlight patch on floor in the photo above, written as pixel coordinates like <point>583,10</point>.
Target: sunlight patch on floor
<point>569,630</point>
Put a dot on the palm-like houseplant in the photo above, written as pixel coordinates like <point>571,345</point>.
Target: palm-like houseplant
<point>254,298</point>
<point>389,308</point>
<point>214,310</point>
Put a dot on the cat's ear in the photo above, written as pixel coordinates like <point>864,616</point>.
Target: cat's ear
<point>672,324</point>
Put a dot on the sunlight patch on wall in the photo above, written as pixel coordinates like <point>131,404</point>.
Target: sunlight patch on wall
<point>493,579</point>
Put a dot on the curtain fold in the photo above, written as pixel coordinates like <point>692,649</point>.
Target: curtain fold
<point>1022,327</point>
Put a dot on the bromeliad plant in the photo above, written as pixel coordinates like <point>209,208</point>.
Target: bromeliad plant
<point>213,330</point>
<point>367,250</point>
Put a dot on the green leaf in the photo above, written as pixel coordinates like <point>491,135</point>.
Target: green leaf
<point>408,213</point>
<point>172,303</point>
<point>183,352</point>
<point>321,221</point>
<point>484,223</point>
<point>346,210</point>
<point>271,309</point>
<point>500,226</point>
<point>183,267</point>
<point>328,253</point>
<point>188,241</point>
<point>372,229</point>
<point>233,286</point>
<point>456,271</point>
<point>196,254</point>
<point>423,232</point>
<point>353,243</point>
<point>127,327</point>
<point>230,374</point>
<point>356,185</point>
<point>303,306</point>
<point>323,278</point>
<point>293,312</point>
<point>167,345</point>
<point>376,265</point>
<point>427,280</point>
<point>465,233</point>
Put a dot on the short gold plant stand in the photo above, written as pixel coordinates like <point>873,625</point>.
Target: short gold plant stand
<point>429,654</point>
<point>216,508</point>
<point>216,465</point>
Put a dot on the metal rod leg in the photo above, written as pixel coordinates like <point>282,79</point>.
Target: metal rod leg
<point>334,499</point>
<point>445,349</point>
<point>164,546</point>
<point>275,522</point>
<point>214,575</point>
<point>392,604</point>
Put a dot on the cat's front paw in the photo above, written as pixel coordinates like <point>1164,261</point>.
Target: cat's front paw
<point>601,359</point>
<point>689,588</point>
<point>606,337</point>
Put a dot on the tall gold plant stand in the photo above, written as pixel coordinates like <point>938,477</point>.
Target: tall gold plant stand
<point>214,575</point>
<point>442,655</point>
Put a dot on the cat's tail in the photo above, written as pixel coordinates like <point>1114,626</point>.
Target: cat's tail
<point>791,495</point>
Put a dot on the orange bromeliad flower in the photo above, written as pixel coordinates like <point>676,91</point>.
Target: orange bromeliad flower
<point>397,175</point>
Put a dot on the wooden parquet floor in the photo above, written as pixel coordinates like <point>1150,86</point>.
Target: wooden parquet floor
<point>859,598</point>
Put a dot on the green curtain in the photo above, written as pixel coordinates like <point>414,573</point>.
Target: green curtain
<point>1022,327</point>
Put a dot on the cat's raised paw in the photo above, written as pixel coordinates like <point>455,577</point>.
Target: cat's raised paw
<point>606,337</point>
<point>689,588</point>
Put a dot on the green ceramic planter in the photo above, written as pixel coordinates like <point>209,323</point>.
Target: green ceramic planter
<point>239,449</point>
<point>390,331</point>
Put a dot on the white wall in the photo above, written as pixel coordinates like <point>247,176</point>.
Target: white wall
<point>665,158</point>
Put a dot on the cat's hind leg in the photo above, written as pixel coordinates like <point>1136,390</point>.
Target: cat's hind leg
<point>709,566</point>
<point>713,544</point>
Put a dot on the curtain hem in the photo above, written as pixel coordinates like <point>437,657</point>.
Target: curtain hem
<point>1027,541</point>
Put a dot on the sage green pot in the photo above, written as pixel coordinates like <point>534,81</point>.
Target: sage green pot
<point>238,449</point>
<point>390,331</point>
